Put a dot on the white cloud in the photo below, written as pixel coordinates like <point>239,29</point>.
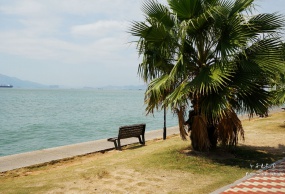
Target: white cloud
<point>100,29</point>
<point>47,31</point>
<point>23,7</point>
<point>109,8</point>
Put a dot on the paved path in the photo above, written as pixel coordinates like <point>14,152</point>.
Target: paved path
<point>47,155</point>
<point>269,180</point>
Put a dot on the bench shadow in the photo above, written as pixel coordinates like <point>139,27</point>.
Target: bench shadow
<point>132,146</point>
<point>243,156</point>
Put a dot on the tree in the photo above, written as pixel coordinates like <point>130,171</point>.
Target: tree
<point>212,57</point>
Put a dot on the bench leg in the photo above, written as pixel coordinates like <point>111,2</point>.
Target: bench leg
<point>115,143</point>
<point>119,145</point>
<point>141,139</point>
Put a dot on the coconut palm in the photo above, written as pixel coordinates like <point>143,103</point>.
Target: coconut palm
<point>212,57</point>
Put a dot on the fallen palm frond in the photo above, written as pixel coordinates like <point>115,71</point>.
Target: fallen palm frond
<point>180,114</point>
<point>229,129</point>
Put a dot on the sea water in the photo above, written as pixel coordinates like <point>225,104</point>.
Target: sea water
<point>34,119</point>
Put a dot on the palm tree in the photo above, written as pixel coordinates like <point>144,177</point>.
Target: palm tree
<point>212,57</point>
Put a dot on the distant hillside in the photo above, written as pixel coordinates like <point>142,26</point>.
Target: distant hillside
<point>17,83</point>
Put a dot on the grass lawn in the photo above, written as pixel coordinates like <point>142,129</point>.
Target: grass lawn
<point>169,166</point>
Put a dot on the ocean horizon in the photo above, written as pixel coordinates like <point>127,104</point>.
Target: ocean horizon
<point>35,119</point>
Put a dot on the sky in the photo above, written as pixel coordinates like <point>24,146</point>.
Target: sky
<point>76,43</point>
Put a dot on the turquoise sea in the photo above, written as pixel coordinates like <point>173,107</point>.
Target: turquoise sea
<point>34,119</point>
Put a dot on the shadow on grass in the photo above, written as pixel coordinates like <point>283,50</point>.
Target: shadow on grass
<point>132,146</point>
<point>243,156</point>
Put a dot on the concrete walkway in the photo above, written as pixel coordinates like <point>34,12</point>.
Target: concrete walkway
<point>52,154</point>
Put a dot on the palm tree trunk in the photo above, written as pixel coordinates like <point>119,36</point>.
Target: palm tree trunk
<point>199,134</point>
<point>212,136</point>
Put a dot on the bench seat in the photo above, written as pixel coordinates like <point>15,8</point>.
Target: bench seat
<point>128,131</point>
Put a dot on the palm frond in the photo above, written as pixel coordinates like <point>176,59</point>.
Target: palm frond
<point>240,6</point>
<point>156,93</point>
<point>266,23</point>
<point>234,36</point>
<point>229,129</point>
<point>210,79</point>
<point>256,102</point>
<point>179,95</point>
<point>178,70</point>
<point>180,113</point>
<point>279,89</point>
<point>155,10</point>
<point>185,9</point>
<point>139,29</point>
<point>279,97</point>
<point>214,105</point>
<point>267,53</point>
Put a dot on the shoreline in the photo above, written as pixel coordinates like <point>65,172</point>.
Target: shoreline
<point>16,161</point>
<point>38,157</point>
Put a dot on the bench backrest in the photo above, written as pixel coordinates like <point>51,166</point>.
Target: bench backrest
<point>131,131</point>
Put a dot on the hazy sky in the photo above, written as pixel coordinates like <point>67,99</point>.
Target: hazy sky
<point>75,42</point>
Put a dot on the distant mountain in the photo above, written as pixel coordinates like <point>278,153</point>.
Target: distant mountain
<point>17,83</point>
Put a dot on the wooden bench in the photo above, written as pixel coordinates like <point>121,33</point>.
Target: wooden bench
<point>129,131</point>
